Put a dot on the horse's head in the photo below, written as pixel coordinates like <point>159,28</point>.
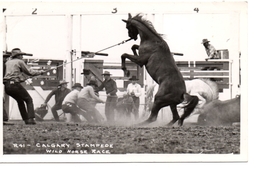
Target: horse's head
<point>132,30</point>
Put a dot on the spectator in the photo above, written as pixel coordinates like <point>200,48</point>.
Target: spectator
<point>134,90</point>
<point>212,54</point>
<point>210,50</point>
<point>60,93</point>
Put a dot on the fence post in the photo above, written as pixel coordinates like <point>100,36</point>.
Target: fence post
<point>69,68</point>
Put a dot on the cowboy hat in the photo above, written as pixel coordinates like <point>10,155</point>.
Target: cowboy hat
<point>204,41</point>
<point>77,85</point>
<point>86,72</point>
<point>61,82</point>
<point>16,52</point>
<point>106,73</point>
<point>133,78</point>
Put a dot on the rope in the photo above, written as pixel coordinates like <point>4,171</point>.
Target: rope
<point>39,95</point>
<point>115,45</point>
<point>93,53</point>
<point>74,61</point>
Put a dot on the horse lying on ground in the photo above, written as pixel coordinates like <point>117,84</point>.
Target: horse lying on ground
<point>205,89</point>
<point>220,112</point>
<point>156,56</point>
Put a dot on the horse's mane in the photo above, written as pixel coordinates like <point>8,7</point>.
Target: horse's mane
<point>147,23</point>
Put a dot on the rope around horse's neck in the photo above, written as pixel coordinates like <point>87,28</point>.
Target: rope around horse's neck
<point>115,45</point>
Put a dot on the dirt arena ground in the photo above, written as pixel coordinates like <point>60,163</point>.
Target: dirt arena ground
<point>49,137</point>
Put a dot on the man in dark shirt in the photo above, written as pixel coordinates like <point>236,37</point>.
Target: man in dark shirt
<point>89,77</point>
<point>87,74</point>
<point>111,88</point>
<point>16,72</point>
<point>60,93</point>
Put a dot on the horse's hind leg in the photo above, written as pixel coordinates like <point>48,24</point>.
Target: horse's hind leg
<point>189,108</point>
<point>175,115</point>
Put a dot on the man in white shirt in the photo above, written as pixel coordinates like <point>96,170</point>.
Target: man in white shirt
<point>87,100</point>
<point>69,104</point>
<point>134,90</point>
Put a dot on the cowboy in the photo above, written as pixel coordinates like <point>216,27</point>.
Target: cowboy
<point>212,54</point>
<point>60,93</point>
<point>111,88</point>
<point>15,73</point>
<point>210,50</point>
<point>87,101</point>
<point>89,76</point>
<point>69,104</point>
<point>134,90</point>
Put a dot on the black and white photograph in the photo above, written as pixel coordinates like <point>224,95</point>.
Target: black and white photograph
<point>124,81</point>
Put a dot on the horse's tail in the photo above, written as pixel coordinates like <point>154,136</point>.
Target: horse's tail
<point>192,103</point>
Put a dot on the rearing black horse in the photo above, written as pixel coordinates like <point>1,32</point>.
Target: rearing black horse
<point>156,56</point>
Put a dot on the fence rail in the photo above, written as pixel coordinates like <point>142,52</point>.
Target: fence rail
<point>219,70</point>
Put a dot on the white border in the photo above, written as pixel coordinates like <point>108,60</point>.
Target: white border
<point>143,157</point>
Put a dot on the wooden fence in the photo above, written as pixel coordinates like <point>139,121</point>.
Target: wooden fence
<point>219,70</point>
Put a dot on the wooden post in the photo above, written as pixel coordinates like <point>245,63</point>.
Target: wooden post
<point>230,78</point>
<point>4,33</point>
<point>69,73</point>
<point>78,65</point>
<point>235,42</point>
<point>6,104</point>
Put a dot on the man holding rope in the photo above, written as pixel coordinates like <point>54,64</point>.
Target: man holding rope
<point>69,104</point>
<point>87,74</point>
<point>60,93</point>
<point>15,73</point>
<point>111,88</point>
<point>87,100</point>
